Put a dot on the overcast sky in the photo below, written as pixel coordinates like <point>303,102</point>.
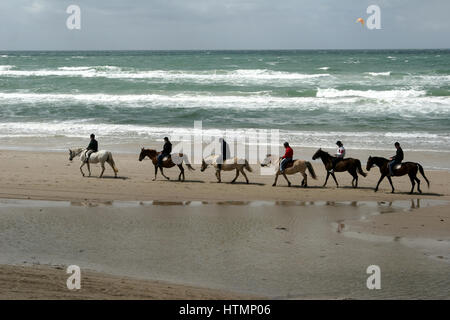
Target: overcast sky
<point>224,24</point>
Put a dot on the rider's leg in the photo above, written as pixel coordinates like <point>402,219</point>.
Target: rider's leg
<point>391,168</point>
<point>160,160</point>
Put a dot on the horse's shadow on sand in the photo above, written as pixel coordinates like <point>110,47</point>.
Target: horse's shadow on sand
<point>189,181</point>
<point>109,177</point>
<point>245,183</point>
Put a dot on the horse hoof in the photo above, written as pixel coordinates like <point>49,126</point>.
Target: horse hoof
<point>289,185</point>
<point>273,185</point>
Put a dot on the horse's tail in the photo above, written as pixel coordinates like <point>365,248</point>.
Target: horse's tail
<point>423,174</point>
<point>186,161</point>
<point>358,166</point>
<point>111,161</point>
<point>311,170</point>
<point>247,166</point>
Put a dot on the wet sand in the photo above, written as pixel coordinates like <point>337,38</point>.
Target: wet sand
<point>297,243</point>
<point>285,250</point>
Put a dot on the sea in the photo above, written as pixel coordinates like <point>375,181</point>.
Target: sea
<point>367,98</point>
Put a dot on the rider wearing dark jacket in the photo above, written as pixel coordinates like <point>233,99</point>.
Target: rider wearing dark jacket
<point>167,149</point>
<point>91,148</point>
<point>397,159</point>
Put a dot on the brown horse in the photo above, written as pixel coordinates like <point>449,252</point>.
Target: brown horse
<point>353,166</point>
<point>174,159</point>
<point>409,168</point>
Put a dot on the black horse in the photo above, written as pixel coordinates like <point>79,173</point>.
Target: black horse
<point>353,166</point>
<point>409,168</point>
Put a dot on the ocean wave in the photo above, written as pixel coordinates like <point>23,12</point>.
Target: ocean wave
<point>129,133</point>
<point>373,94</point>
<point>408,105</point>
<point>238,75</point>
<point>376,74</point>
<point>324,68</point>
<point>6,67</point>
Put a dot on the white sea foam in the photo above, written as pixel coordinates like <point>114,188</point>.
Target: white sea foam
<point>122,133</point>
<point>376,74</point>
<point>324,68</point>
<point>6,67</point>
<point>333,93</point>
<point>384,102</point>
<point>239,75</point>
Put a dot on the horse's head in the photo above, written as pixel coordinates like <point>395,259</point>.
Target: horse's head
<point>267,161</point>
<point>142,155</point>
<point>370,163</point>
<point>318,154</point>
<point>147,153</point>
<point>71,155</point>
<point>204,165</point>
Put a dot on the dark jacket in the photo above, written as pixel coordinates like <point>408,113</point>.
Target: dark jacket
<point>167,149</point>
<point>398,156</point>
<point>224,150</point>
<point>93,145</point>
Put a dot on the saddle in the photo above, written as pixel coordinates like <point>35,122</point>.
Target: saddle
<point>398,166</point>
<point>290,163</point>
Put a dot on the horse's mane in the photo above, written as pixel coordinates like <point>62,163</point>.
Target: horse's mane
<point>380,158</point>
<point>77,151</point>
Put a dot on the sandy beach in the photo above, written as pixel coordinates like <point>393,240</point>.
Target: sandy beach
<point>202,240</point>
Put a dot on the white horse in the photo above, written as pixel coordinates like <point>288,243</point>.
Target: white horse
<point>101,157</point>
<point>228,165</point>
<point>297,166</point>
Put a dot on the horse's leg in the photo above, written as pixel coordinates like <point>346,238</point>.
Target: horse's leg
<point>390,181</point>
<point>162,172</point>
<point>219,178</point>
<point>156,172</point>
<point>379,181</point>
<point>305,180</point>
<point>89,168</point>
<point>418,184</point>
<point>276,178</point>
<point>326,179</point>
<point>355,179</point>
<point>103,169</point>
<point>181,171</point>
<point>334,177</point>
<point>243,173</point>
<point>237,175</point>
<point>82,165</point>
<point>412,183</point>
<point>115,173</point>
<point>289,183</point>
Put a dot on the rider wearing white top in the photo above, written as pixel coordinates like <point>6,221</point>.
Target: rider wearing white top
<point>340,154</point>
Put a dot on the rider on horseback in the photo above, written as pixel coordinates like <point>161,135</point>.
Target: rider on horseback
<point>288,156</point>
<point>167,149</point>
<point>225,149</point>
<point>340,154</point>
<point>91,148</point>
<point>397,159</point>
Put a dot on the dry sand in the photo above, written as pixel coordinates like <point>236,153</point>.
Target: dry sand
<point>50,176</point>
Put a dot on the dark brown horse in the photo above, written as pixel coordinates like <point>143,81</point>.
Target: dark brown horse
<point>176,159</point>
<point>409,168</point>
<point>353,166</point>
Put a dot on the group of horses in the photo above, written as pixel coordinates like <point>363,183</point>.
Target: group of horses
<point>351,165</point>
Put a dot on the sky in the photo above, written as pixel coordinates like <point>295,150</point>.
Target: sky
<point>222,25</point>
